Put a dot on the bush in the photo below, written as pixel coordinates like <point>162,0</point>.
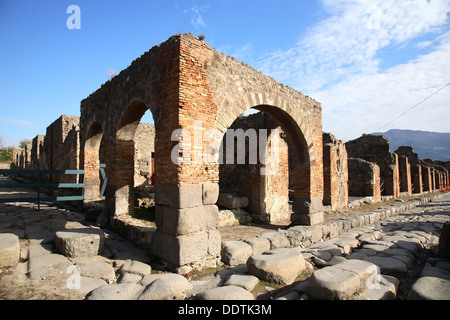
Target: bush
<point>6,155</point>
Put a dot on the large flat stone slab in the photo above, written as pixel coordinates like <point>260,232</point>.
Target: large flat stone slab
<point>332,283</point>
<point>278,265</point>
<point>46,261</point>
<point>164,287</point>
<point>246,281</point>
<point>383,288</point>
<point>97,269</point>
<point>136,267</point>
<point>83,242</point>
<point>9,250</point>
<point>430,288</point>
<point>388,264</point>
<point>235,252</point>
<point>226,293</point>
<point>123,291</point>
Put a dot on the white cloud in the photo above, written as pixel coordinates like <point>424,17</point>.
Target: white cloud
<point>22,123</point>
<point>337,63</point>
<point>365,102</point>
<point>197,19</point>
<point>424,44</point>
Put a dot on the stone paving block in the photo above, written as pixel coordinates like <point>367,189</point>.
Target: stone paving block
<point>281,265</point>
<point>430,288</point>
<point>122,291</point>
<point>333,283</point>
<point>46,261</point>
<point>384,289</point>
<point>226,293</point>
<point>259,244</point>
<point>246,281</point>
<point>88,284</point>
<point>135,267</point>
<point>388,264</point>
<point>97,269</point>
<point>80,242</point>
<point>164,287</point>
<point>9,250</point>
<point>235,252</point>
<point>40,249</point>
<point>277,240</point>
<point>362,268</point>
<point>129,278</point>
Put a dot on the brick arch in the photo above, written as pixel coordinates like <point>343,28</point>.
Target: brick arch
<point>130,120</point>
<point>94,135</point>
<point>236,87</point>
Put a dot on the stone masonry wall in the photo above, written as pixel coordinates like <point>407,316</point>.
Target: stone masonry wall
<point>416,167</point>
<point>376,149</point>
<point>363,179</point>
<point>335,172</point>
<point>62,147</point>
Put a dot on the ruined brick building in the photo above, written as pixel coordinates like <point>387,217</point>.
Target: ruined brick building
<point>183,82</point>
<point>195,94</point>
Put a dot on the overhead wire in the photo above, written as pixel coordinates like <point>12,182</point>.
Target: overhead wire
<point>418,104</point>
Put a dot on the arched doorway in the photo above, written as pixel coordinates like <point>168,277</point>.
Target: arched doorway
<point>126,169</point>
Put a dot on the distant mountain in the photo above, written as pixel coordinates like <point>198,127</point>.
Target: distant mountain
<point>427,144</point>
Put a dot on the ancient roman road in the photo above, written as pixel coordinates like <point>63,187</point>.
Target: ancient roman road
<point>392,258</point>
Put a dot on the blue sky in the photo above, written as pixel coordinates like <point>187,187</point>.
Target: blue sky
<point>365,61</point>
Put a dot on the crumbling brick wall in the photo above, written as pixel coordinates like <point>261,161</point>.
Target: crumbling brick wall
<point>17,151</point>
<point>416,167</point>
<point>36,150</point>
<point>363,179</point>
<point>335,172</point>
<point>440,173</point>
<point>62,147</point>
<point>376,149</point>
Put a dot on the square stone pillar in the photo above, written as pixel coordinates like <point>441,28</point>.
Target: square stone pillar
<point>187,220</point>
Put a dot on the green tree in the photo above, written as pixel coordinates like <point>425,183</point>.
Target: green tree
<point>24,142</point>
